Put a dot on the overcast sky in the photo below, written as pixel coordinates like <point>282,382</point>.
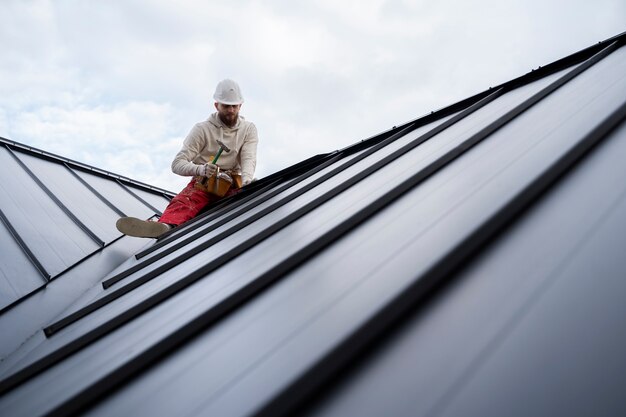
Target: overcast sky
<point>118,84</point>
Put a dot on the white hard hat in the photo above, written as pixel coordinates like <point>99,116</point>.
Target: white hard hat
<point>228,92</point>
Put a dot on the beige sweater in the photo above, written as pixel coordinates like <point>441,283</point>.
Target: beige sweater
<point>201,146</point>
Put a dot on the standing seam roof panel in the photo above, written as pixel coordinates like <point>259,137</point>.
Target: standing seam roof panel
<point>280,206</point>
<point>484,303</point>
<point>335,254</point>
<point>246,210</point>
<point>118,196</point>
<point>56,240</point>
<point>451,132</point>
<point>19,265</point>
<point>540,84</point>
<point>160,285</point>
<point>537,157</point>
<point>250,386</point>
<point>96,215</point>
<point>408,137</point>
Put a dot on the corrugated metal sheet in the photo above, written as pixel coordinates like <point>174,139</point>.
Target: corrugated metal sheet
<point>415,273</point>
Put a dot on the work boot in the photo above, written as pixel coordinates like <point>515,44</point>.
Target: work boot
<point>132,226</point>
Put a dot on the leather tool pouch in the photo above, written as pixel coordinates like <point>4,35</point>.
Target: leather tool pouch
<point>219,183</point>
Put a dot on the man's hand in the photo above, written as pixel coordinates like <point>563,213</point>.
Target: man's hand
<point>245,180</point>
<point>207,170</point>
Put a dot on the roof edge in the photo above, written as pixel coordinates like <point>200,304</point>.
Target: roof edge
<point>82,166</point>
<point>532,75</point>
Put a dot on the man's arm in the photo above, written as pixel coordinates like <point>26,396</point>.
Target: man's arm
<point>183,161</point>
<point>247,155</point>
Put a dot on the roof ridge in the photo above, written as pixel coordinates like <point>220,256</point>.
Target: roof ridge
<point>81,165</point>
<point>527,78</point>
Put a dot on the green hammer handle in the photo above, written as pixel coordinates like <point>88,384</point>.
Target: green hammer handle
<point>218,155</point>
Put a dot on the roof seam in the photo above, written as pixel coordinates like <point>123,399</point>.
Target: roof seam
<point>59,275</point>
<point>287,199</point>
<point>210,216</point>
<point>213,211</point>
<point>20,242</point>
<point>56,200</point>
<point>50,330</point>
<point>94,191</point>
<point>151,207</point>
<point>231,216</point>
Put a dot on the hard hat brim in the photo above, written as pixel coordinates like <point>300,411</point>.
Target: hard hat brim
<point>228,103</point>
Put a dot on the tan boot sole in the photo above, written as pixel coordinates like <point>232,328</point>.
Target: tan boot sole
<point>132,226</point>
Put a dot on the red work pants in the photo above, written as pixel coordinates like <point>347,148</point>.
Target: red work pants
<point>188,203</point>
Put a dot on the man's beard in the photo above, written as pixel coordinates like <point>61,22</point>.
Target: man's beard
<point>229,119</point>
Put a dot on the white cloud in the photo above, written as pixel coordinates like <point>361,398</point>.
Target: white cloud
<point>132,139</point>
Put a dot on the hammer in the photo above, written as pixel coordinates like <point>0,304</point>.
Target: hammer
<point>223,147</point>
<point>219,152</point>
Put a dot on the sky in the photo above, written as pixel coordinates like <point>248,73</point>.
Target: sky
<point>118,84</point>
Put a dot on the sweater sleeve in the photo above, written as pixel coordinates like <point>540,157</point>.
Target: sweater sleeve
<point>247,153</point>
<point>192,145</point>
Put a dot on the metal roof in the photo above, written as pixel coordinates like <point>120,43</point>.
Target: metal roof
<point>465,263</point>
<point>58,220</point>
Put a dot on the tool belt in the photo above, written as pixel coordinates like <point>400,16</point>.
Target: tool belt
<point>219,183</point>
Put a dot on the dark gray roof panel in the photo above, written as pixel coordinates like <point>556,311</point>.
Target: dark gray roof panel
<point>158,202</point>
<point>287,241</point>
<point>55,240</point>
<point>490,112</point>
<point>280,246</point>
<point>54,226</point>
<point>343,205</point>
<point>37,311</point>
<point>265,306</point>
<point>85,205</point>
<point>319,304</point>
<point>518,312</point>
<point>255,206</point>
<point>13,262</point>
<point>119,196</point>
<point>424,241</point>
<point>378,181</point>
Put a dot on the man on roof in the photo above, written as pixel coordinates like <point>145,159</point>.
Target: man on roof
<point>219,153</point>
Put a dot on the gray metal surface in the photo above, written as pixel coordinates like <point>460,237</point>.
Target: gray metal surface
<point>14,263</point>
<point>85,205</point>
<point>287,241</point>
<point>54,239</point>
<point>329,215</point>
<point>27,318</point>
<point>294,236</point>
<point>117,195</point>
<point>53,221</point>
<point>307,314</point>
<point>539,316</point>
<point>256,335</point>
<point>246,211</point>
